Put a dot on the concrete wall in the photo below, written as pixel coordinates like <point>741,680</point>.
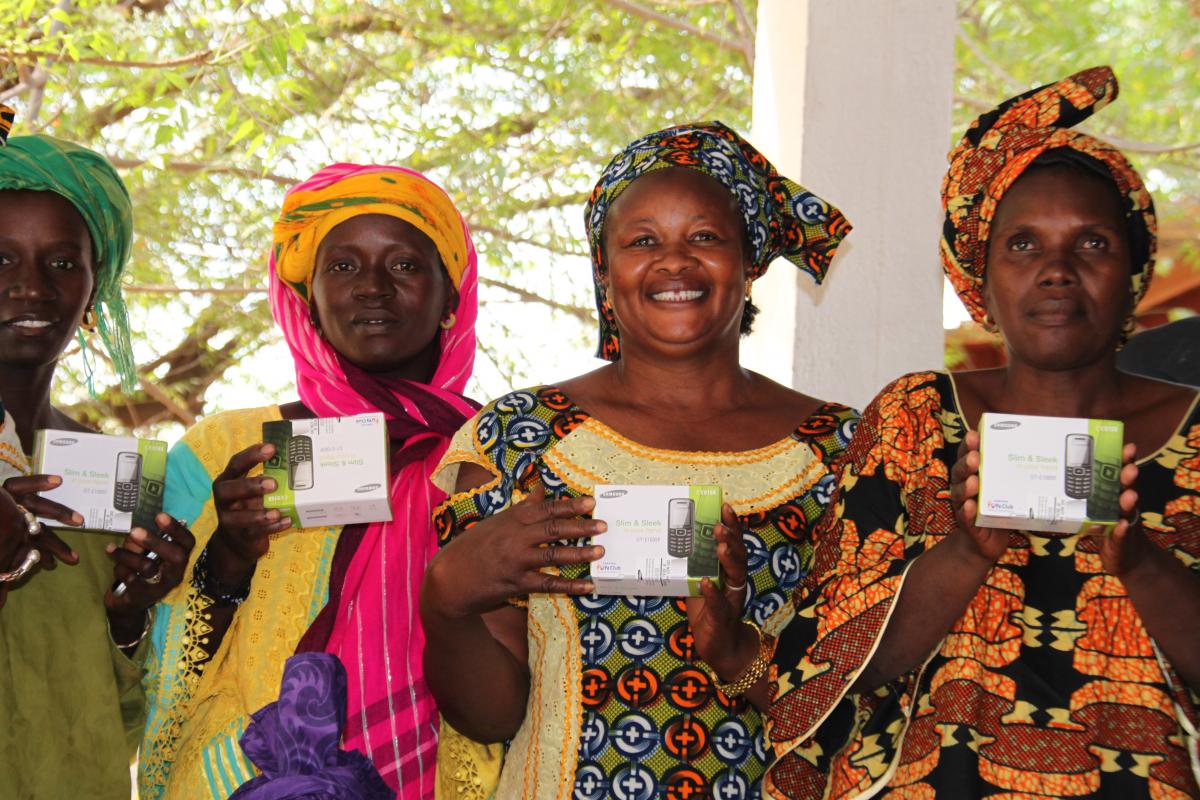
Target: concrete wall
<point>852,99</point>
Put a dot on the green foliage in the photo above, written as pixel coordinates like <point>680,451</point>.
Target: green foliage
<point>213,107</point>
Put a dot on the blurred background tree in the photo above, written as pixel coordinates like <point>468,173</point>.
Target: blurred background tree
<point>212,108</point>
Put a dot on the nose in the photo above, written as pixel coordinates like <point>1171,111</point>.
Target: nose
<point>373,281</point>
<point>677,257</point>
<point>29,283</point>
<point>1059,268</point>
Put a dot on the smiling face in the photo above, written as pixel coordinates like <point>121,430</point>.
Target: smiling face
<point>46,276</point>
<point>1058,272</point>
<point>379,291</point>
<point>674,246</point>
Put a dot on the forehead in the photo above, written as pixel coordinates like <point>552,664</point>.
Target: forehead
<point>22,210</point>
<point>651,191</point>
<point>1051,192</point>
<point>376,228</point>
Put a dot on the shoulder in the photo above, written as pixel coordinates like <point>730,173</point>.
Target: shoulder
<point>217,436</point>
<point>921,393</point>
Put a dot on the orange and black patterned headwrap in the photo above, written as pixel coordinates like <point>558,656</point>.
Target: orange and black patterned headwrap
<point>1000,146</point>
<point>6,123</point>
<point>781,217</point>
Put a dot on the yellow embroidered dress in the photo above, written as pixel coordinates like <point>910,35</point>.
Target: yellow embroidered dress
<point>619,705</point>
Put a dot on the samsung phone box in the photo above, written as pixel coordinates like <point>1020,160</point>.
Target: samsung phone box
<point>114,482</point>
<point>1055,474</point>
<point>659,540</point>
<point>329,471</point>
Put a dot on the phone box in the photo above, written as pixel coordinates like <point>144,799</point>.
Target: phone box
<point>329,471</point>
<point>659,540</point>
<point>115,482</point>
<point>1055,474</point>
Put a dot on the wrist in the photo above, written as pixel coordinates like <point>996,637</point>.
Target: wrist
<point>226,565</point>
<point>737,659</point>
<point>128,629</point>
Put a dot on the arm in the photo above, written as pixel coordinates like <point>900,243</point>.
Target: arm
<point>475,647</point>
<point>940,583</point>
<point>1165,593</point>
<point>18,497</point>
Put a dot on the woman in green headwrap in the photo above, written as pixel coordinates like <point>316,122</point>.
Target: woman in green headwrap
<point>70,694</point>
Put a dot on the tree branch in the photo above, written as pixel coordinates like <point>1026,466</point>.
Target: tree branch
<point>200,57</point>
<point>512,237</point>
<point>213,169</point>
<point>582,314</point>
<point>163,289</point>
<point>742,46</point>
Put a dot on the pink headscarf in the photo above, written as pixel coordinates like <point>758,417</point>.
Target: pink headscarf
<point>371,621</point>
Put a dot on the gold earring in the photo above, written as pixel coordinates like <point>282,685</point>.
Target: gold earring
<point>88,322</point>
<point>749,288</point>
<point>449,321</point>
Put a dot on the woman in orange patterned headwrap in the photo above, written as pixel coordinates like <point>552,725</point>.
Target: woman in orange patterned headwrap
<point>932,658</point>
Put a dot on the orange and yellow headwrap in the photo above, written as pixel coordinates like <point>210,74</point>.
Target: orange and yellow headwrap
<point>342,191</point>
<point>1000,146</point>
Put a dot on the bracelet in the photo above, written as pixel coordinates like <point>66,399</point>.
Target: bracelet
<point>29,562</point>
<point>145,630</point>
<point>751,674</point>
<point>222,594</point>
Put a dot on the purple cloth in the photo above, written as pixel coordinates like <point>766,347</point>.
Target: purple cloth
<point>294,741</point>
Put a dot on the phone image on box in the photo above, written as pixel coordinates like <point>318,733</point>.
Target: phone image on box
<point>300,463</point>
<point>127,482</point>
<point>1106,490</point>
<point>681,519</point>
<point>1078,463</point>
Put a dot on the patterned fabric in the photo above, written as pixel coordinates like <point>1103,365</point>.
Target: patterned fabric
<point>370,619</point>
<point>1001,144</point>
<point>294,741</point>
<point>12,455</point>
<point>341,191</point>
<point>1047,686</point>
<point>6,121</point>
<point>197,709</point>
<point>619,704</point>
<point>782,218</point>
<point>89,182</point>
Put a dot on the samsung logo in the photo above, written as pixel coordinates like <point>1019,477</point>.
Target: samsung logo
<point>1007,425</point>
<point>367,487</point>
<point>611,493</point>
<point>63,441</point>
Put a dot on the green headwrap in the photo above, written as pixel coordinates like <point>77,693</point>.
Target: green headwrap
<point>89,182</point>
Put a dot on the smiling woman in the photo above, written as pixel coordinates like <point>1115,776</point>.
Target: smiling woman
<point>372,280</point>
<point>615,696</point>
<point>71,705</point>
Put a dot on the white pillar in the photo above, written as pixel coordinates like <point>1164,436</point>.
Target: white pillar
<point>852,99</point>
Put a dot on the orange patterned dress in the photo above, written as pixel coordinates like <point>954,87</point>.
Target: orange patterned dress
<point>1047,687</point>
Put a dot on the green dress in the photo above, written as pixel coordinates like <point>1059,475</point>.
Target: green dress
<point>71,704</point>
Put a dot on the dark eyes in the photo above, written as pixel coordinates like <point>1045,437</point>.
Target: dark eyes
<point>63,264</point>
<point>349,266</point>
<point>650,241</point>
<point>1024,244</point>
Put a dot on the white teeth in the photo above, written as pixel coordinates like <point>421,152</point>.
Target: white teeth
<point>31,323</point>
<point>677,297</point>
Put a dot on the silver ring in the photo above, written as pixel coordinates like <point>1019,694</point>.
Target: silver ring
<point>30,561</point>
<point>153,579</point>
<point>729,587</point>
<point>32,527</point>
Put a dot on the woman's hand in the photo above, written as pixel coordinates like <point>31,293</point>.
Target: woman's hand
<point>147,579</point>
<point>502,556</point>
<point>243,525</point>
<point>23,491</point>
<point>715,617</point>
<point>986,543</point>
<point>1126,547</point>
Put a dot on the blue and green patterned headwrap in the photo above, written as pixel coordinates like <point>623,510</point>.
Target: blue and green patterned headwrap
<point>89,182</point>
<point>782,218</point>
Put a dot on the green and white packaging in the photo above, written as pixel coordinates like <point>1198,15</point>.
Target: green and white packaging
<point>115,482</point>
<point>659,541</point>
<point>329,471</point>
<point>1052,474</point>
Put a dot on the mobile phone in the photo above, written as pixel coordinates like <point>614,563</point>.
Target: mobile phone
<point>1078,462</point>
<point>125,486</point>
<point>300,463</point>
<point>681,517</point>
